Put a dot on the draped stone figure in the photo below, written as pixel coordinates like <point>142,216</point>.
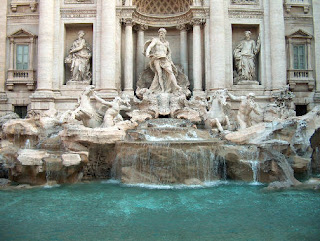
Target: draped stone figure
<point>161,64</point>
<point>244,56</point>
<point>79,59</point>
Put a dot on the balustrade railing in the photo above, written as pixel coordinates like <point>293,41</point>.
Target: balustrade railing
<point>301,77</point>
<point>21,77</point>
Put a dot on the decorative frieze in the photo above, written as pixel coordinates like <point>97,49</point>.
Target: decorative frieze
<point>245,2</point>
<point>19,18</point>
<point>255,14</point>
<point>78,13</point>
<point>31,3</point>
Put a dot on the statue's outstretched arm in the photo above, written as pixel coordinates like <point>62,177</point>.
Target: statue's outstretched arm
<point>233,97</point>
<point>102,101</point>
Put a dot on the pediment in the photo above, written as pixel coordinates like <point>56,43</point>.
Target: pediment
<point>21,33</point>
<point>300,34</point>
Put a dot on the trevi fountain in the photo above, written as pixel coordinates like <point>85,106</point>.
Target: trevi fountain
<point>164,158</point>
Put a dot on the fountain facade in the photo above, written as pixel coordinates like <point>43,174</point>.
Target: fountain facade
<point>157,113</point>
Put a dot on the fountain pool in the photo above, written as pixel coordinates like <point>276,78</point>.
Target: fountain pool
<point>113,211</point>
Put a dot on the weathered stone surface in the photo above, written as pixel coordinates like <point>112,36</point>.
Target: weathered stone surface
<point>78,133</point>
<point>245,136</point>
<point>21,127</point>
<point>301,164</point>
<point>28,157</point>
<point>7,117</point>
<point>71,159</point>
<point>53,163</point>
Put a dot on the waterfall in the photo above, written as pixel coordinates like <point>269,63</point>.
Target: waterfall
<point>27,144</point>
<point>255,166</point>
<point>167,162</point>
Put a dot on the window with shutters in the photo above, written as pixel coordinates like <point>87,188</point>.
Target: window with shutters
<point>22,60</point>
<point>299,56</point>
<point>22,53</point>
<point>300,66</point>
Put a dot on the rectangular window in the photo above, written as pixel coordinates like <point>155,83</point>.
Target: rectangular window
<point>22,62</point>
<point>22,111</point>
<point>299,57</point>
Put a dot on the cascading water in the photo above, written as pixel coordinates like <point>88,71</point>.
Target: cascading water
<point>255,166</point>
<point>252,158</point>
<point>169,154</point>
<point>27,144</point>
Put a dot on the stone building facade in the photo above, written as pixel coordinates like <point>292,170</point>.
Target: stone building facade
<point>205,37</point>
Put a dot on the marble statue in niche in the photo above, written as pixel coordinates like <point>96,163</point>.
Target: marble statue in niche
<point>245,60</point>
<point>161,64</point>
<point>79,59</point>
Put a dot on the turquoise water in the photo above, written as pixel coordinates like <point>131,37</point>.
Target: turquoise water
<point>107,211</point>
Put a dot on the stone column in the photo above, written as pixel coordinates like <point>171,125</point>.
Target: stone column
<point>207,61</point>
<point>290,47</point>
<point>107,81</point>
<point>45,45</point>
<point>3,41</point>
<point>309,53</point>
<point>11,54</point>
<point>197,56</point>
<point>128,59</point>
<point>316,27</point>
<point>217,45</point>
<point>140,59</point>
<point>31,54</point>
<point>265,42</point>
<point>278,49</point>
<point>183,47</point>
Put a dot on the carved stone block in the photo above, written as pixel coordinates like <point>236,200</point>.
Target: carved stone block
<point>32,3</point>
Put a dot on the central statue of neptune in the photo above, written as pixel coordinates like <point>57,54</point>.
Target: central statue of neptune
<point>161,64</point>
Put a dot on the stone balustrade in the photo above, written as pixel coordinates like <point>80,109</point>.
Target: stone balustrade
<point>26,77</point>
<point>298,76</point>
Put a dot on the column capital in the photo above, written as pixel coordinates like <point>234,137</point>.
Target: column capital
<point>141,27</point>
<point>197,21</point>
<point>127,21</point>
<point>183,27</point>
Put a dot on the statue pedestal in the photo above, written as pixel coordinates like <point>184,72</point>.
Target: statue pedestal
<point>248,82</point>
<point>72,82</point>
<point>163,100</point>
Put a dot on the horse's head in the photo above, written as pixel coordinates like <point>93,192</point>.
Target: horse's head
<point>221,96</point>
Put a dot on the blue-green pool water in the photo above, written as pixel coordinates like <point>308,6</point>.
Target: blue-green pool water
<point>109,211</point>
